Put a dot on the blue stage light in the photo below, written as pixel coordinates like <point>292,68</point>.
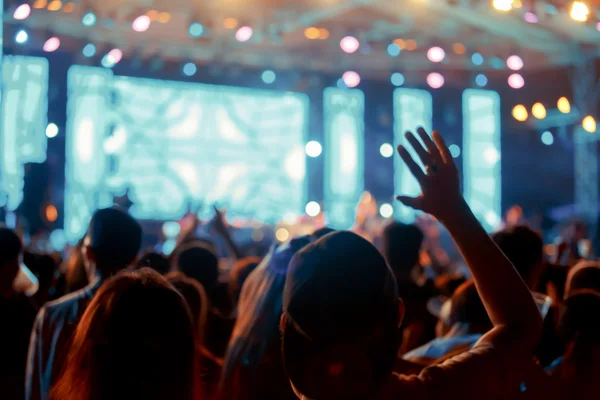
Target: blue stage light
<point>189,69</point>
<point>89,50</point>
<point>268,76</point>
<point>196,29</point>
<point>89,19</point>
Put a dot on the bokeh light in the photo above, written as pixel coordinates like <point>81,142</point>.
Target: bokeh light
<point>481,80</point>
<point>268,76</point>
<point>503,5</point>
<point>514,62</point>
<point>538,111</point>
<point>531,17</point>
<point>459,48</point>
<point>164,17</point>
<point>386,150</point>
<point>89,19</point>
<point>351,78</point>
<point>491,155</point>
<point>454,150</point>
<point>519,112</point>
<point>39,4</point>
<point>311,33</point>
<point>386,210</point>
<point>436,54</point>
<point>196,29</point>
<point>589,124</point>
<point>397,79</point>
<point>51,130</point>
<point>547,138</point>
<point>516,81</point>
<point>141,23</point>
<point>51,44</point>
<point>89,50</point>
<point>69,7</point>
<point>244,34</point>
<point>477,59</point>
<point>323,33</point>
<point>312,209</point>
<point>189,69</point>
<point>116,55</point>
<point>580,11</point>
<point>22,12</point>
<point>54,5</point>
<point>411,44</point>
<point>349,44</point>
<point>393,50</point>
<point>313,148</point>
<point>282,234</point>
<point>51,213</point>
<point>21,36</point>
<point>435,80</point>
<point>563,105</point>
<point>230,23</point>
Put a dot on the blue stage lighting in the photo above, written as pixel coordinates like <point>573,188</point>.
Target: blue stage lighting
<point>89,19</point>
<point>21,36</point>
<point>397,79</point>
<point>477,59</point>
<point>481,80</point>
<point>393,50</point>
<point>189,69</point>
<point>547,138</point>
<point>89,50</point>
<point>196,29</point>
<point>268,76</point>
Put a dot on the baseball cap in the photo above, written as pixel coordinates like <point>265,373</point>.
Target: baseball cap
<point>339,286</point>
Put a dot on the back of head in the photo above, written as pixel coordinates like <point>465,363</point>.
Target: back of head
<point>155,261</point>
<point>401,247</point>
<point>467,308</point>
<point>341,318</point>
<point>584,275</point>
<point>238,275</point>
<point>195,297</point>
<point>525,250</point>
<point>135,340</point>
<point>115,239</point>
<point>259,312</point>
<point>200,263</point>
<point>10,249</point>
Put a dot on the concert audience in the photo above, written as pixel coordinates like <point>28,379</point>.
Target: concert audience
<point>135,340</point>
<point>16,315</point>
<point>253,368</point>
<point>324,316</point>
<point>111,244</point>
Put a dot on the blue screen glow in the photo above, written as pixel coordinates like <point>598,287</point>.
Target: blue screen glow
<point>412,109</point>
<point>174,145</point>
<point>481,155</point>
<point>24,120</point>
<point>344,158</point>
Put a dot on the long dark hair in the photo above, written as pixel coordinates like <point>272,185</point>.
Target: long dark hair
<point>135,340</point>
<point>254,350</point>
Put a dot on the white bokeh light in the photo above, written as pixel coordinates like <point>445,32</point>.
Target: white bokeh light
<point>386,150</point>
<point>491,155</point>
<point>313,148</point>
<point>312,209</point>
<point>51,130</point>
<point>386,210</point>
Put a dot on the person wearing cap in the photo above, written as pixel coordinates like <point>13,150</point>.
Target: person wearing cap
<point>462,322</point>
<point>342,310</point>
<point>111,244</point>
<point>17,315</point>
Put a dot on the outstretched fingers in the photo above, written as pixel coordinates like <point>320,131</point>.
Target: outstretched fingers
<point>411,164</point>
<point>443,149</point>
<point>423,154</point>
<point>429,144</point>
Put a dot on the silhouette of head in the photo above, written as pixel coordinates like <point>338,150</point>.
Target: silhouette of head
<point>341,317</point>
<point>525,249</point>
<point>10,250</point>
<point>112,241</point>
<point>135,340</point>
<point>401,247</point>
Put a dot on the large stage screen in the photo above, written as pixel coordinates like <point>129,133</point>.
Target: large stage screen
<point>174,146</point>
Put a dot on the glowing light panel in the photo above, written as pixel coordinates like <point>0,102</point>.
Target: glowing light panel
<point>175,144</point>
<point>412,109</point>
<point>344,160</point>
<point>481,154</point>
<point>24,119</point>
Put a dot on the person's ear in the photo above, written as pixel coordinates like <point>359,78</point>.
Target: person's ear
<point>401,311</point>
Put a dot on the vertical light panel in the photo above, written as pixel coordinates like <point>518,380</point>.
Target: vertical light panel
<point>412,109</point>
<point>24,104</point>
<point>344,154</point>
<point>481,155</point>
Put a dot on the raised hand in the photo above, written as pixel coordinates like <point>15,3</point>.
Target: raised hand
<point>439,183</point>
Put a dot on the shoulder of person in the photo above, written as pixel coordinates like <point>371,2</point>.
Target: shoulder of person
<point>69,306</point>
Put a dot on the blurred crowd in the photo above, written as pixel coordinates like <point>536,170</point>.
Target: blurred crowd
<point>434,309</point>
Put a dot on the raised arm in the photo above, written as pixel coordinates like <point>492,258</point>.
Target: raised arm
<point>508,301</point>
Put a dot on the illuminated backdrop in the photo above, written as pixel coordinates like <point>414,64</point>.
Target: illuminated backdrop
<point>176,145</point>
<point>24,118</point>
